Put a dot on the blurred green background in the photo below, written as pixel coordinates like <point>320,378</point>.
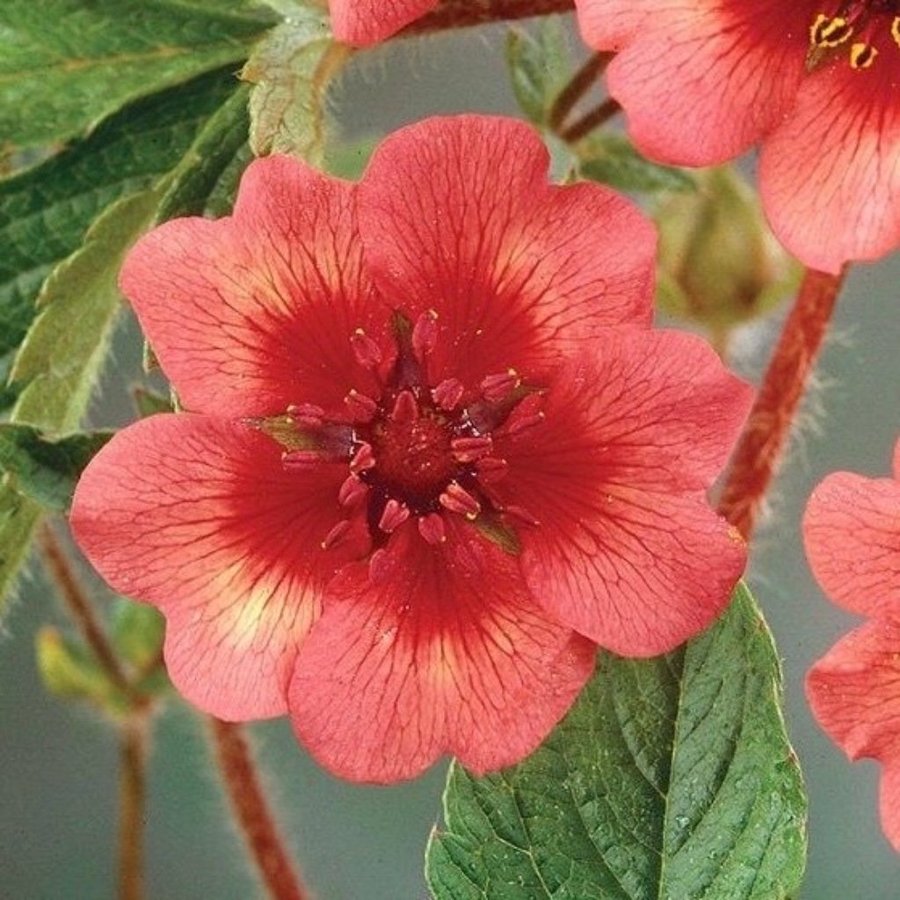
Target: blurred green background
<point>58,764</point>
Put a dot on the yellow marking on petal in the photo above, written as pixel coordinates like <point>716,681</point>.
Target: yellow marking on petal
<point>862,55</point>
<point>828,31</point>
<point>895,30</point>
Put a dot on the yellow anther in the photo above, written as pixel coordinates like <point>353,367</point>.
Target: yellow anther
<point>895,30</point>
<point>862,55</point>
<point>828,31</point>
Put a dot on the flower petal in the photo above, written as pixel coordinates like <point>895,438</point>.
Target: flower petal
<point>609,24</point>
<point>830,175</point>
<point>851,530</point>
<point>197,517</point>
<point>254,312</point>
<point>854,692</point>
<point>700,83</point>
<point>364,22</point>
<point>442,651</point>
<point>628,551</point>
<point>456,214</point>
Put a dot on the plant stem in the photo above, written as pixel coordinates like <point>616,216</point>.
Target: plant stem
<point>463,13</point>
<point>60,568</point>
<point>580,83</point>
<point>590,120</point>
<point>252,813</point>
<point>759,447</point>
<point>133,738</point>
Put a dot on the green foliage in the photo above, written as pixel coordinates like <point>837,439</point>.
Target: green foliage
<point>611,159</point>
<point>137,634</point>
<point>291,69</point>
<point>46,471</point>
<point>538,67</point>
<point>149,403</point>
<point>67,64</point>
<point>670,778</point>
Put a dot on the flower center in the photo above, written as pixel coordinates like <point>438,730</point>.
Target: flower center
<point>863,28</point>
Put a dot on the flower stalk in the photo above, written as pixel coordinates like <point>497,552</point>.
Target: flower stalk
<point>133,749</point>
<point>759,448</point>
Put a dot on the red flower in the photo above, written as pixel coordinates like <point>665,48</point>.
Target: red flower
<point>435,452</point>
<point>364,22</point>
<point>816,82</point>
<point>852,535</point>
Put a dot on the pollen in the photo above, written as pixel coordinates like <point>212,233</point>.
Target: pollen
<point>862,55</point>
<point>829,31</point>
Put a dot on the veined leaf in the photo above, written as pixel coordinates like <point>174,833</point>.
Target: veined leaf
<point>612,159</point>
<point>671,779</point>
<point>67,64</point>
<point>538,67</point>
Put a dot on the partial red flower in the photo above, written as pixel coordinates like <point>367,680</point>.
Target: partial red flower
<point>852,535</point>
<point>815,82</point>
<point>364,22</point>
<point>434,452</point>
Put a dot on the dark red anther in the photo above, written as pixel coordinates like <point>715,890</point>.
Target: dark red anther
<point>424,334</point>
<point>432,529</point>
<point>307,414</point>
<point>363,459</point>
<point>297,460</point>
<point>516,424</point>
<point>448,393</point>
<point>393,516</point>
<point>361,407</point>
<point>405,408</point>
<point>491,469</point>
<point>336,535</point>
<point>470,449</point>
<point>457,499</point>
<point>496,387</point>
<point>352,492</point>
<point>522,514</point>
<point>366,350</point>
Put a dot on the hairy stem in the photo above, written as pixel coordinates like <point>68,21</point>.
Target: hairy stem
<point>133,738</point>
<point>759,448</point>
<point>590,120</point>
<point>463,13</point>
<point>252,813</point>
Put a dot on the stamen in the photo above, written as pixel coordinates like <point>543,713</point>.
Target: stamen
<point>496,387</point>
<point>470,449</point>
<point>405,408</point>
<point>298,460</point>
<point>361,407</point>
<point>862,55</point>
<point>352,492</point>
<point>448,394</point>
<point>518,424</point>
<point>491,469</point>
<point>424,335</point>
<point>895,30</point>
<point>363,459</point>
<point>457,499</point>
<point>336,535</point>
<point>432,529</point>
<point>394,515</point>
<point>522,514</point>
<point>307,414</point>
<point>829,31</point>
<point>366,351</point>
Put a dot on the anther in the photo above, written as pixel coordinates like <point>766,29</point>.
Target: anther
<point>470,449</point>
<point>405,408</point>
<point>491,469</point>
<point>519,424</point>
<point>361,407</point>
<point>829,32</point>
<point>521,514</point>
<point>497,387</point>
<point>363,459</point>
<point>424,334</point>
<point>297,460</point>
<point>393,516</point>
<point>352,492</point>
<point>336,535</point>
<point>895,30</point>
<point>457,499</point>
<point>432,529</point>
<point>448,393</point>
<point>307,414</point>
<point>366,351</point>
<point>862,55</point>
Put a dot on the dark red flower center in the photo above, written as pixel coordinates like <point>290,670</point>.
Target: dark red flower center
<point>862,28</point>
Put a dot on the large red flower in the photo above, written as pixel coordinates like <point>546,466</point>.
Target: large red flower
<point>434,452</point>
<point>364,22</point>
<point>852,535</point>
<point>817,82</point>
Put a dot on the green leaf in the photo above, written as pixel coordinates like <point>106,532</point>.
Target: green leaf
<point>46,211</point>
<point>46,471</point>
<point>137,634</point>
<point>538,67</point>
<point>149,403</point>
<point>67,64</point>
<point>291,69</point>
<point>671,778</point>
<point>611,159</point>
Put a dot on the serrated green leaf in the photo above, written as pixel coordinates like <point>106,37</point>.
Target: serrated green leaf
<point>46,471</point>
<point>538,67</point>
<point>67,64</point>
<point>671,779</point>
<point>612,159</point>
<point>291,69</point>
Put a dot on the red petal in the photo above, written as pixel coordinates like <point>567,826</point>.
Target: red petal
<point>628,551</point>
<point>364,22</point>
<point>610,24</point>
<point>700,83</point>
<point>851,530</point>
<point>197,517</point>
<point>254,312</point>
<point>456,214</point>
<point>854,692</point>
<point>830,175</point>
<point>443,652</point>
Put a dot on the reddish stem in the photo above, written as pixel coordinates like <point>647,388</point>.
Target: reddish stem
<point>133,737</point>
<point>463,13</point>
<point>759,448</point>
<point>252,813</point>
<point>590,120</point>
<point>580,83</point>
